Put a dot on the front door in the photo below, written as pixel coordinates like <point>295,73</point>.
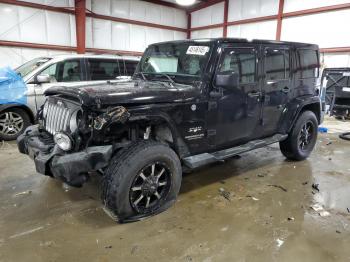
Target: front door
<point>234,115</point>
<point>277,87</point>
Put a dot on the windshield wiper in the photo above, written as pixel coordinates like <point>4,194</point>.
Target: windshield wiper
<point>167,76</point>
<point>142,74</point>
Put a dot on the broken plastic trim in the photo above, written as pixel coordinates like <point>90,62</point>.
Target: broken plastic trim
<point>117,114</point>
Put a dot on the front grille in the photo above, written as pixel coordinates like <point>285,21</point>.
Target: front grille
<point>57,117</point>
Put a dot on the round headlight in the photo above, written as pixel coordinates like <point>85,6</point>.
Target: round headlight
<point>63,141</point>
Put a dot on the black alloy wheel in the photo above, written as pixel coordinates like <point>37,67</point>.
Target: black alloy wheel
<point>306,135</point>
<point>150,187</point>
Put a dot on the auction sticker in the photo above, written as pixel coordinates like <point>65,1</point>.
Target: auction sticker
<point>197,50</point>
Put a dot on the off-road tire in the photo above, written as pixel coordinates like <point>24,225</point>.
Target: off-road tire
<point>291,147</point>
<point>122,171</point>
<point>26,122</point>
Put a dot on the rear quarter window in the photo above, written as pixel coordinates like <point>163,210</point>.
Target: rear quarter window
<point>308,63</point>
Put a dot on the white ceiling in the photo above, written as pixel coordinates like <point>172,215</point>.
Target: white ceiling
<point>174,1</point>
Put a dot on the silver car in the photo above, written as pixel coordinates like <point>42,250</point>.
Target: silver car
<point>69,70</point>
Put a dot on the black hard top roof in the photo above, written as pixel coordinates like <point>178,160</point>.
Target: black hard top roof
<point>220,40</point>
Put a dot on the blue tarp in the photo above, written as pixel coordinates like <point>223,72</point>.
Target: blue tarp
<point>12,88</point>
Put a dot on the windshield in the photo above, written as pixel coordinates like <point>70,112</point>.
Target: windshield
<point>28,67</point>
<point>183,62</point>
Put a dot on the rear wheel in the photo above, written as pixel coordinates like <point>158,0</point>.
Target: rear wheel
<point>302,138</point>
<point>13,122</point>
<point>141,180</point>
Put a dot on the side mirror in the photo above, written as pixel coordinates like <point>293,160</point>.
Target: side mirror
<point>227,80</point>
<point>42,79</point>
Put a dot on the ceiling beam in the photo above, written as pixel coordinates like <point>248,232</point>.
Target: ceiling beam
<point>135,22</point>
<point>335,49</point>
<point>317,10</point>
<point>37,46</point>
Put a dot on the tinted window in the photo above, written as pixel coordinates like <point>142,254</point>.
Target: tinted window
<point>103,69</point>
<point>276,64</point>
<point>128,67</point>
<point>66,71</point>
<point>308,63</point>
<point>242,62</point>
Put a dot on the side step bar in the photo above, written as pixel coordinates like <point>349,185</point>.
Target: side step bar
<point>208,158</point>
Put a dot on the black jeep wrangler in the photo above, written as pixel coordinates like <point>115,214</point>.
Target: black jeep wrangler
<point>190,103</point>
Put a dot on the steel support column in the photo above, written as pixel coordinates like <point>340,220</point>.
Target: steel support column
<point>224,30</point>
<point>189,17</point>
<point>80,25</point>
<point>279,20</point>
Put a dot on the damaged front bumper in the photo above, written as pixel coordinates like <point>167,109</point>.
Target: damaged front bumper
<point>50,160</point>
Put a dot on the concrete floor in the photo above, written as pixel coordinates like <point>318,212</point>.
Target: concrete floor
<point>40,220</point>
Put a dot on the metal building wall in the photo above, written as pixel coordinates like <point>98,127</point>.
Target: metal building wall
<point>30,25</point>
<point>300,20</point>
<point>122,36</point>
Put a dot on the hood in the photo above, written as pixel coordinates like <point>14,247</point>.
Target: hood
<point>129,92</point>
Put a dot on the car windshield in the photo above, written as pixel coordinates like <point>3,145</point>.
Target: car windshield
<point>28,67</point>
<point>183,62</point>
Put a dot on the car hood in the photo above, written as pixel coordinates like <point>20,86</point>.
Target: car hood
<point>128,92</point>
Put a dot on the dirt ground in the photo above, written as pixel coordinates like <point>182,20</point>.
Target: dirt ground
<point>253,208</point>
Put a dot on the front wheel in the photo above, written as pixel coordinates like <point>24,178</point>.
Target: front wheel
<point>142,180</point>
<point>302,138</point>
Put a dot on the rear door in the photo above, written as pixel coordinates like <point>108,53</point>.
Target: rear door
<point>277,86</point>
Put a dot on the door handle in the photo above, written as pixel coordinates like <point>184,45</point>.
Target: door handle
<point>285,89</point>
<point>254,94</point>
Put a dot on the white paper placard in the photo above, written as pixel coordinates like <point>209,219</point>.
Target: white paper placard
<point>346,74</point>
<point>346,89</point>
<point>197,50</point>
